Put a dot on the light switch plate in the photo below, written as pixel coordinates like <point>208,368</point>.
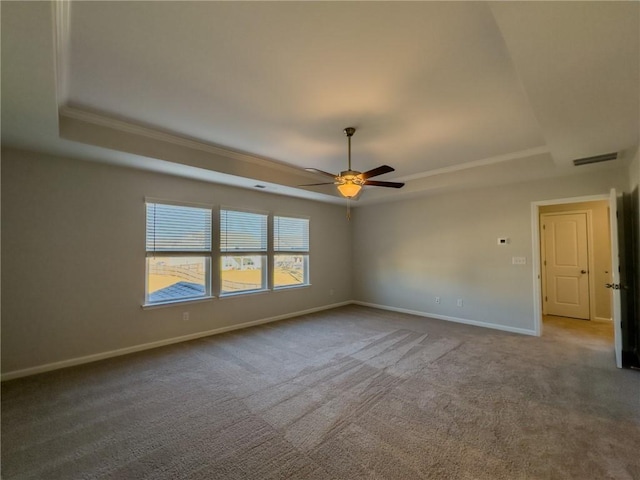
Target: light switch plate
<point>519,260</point>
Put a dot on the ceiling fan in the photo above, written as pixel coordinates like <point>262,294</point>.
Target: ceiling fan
<point>350,182</point>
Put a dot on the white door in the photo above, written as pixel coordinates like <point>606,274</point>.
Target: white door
<point>566,265</point>
<point>615,277</point>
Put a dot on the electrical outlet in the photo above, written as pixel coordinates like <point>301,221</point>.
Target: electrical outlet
<point>437,299</point>
<point>459,302</point>
<point>185,316</point>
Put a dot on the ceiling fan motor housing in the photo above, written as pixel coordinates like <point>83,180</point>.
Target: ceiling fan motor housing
<point>352,175</point>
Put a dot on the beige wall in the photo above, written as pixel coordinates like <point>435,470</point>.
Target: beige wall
<point>601,251</point>
<point>73,256</point>
<point>408,252</point>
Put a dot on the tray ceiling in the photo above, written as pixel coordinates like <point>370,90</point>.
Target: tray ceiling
<point>263,89</point>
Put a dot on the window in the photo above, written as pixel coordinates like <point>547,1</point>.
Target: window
<point>178,253</point>
<point>258,252</point>
<point>291,251</point>
<point>243,249</point>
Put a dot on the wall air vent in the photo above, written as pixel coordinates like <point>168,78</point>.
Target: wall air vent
<point>597,159</point>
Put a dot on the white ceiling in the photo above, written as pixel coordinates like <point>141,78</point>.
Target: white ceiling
<point>451,94</point>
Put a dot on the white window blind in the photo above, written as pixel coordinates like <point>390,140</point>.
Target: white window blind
<point>290,234</point>
<point>242,231</point>
<point>174,228</point>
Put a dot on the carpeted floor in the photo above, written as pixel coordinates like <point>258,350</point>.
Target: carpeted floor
<point>351,393</point>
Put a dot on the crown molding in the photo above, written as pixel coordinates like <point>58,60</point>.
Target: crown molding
<point>106,121</point>
<point>62,39</point>
<point>478,163</point>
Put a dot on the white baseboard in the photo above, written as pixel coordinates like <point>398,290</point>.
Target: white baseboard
<point>495,326</point>
<point>160,343</point>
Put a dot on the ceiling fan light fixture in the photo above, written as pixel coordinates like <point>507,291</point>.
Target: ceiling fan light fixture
<point>349,189</point>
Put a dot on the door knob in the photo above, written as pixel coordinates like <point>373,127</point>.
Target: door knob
<point>583,271</point>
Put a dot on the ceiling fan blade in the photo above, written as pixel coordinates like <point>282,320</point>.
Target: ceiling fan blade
<point>314,184</point>
<point>375,183</point>
<point>377,171</point>
<point>315,170</point>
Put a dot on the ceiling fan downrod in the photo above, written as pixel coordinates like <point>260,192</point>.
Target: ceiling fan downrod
<point>349,131</point>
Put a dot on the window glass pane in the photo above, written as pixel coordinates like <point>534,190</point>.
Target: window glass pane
<point>177,228</point>
<point>290,270</point>
<point>291,234</point>
<point>176,278</point>
<point>241,273</point>
<point>242,231</point>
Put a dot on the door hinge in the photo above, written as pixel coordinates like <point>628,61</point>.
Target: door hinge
<point>544,227</point>
<point>545,298</point>
<point>545,263</point>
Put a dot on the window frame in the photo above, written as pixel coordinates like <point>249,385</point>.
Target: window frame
<point>304,253</point>
<point>213,258</point>
<point>265,254</point>
<point>206,254</point>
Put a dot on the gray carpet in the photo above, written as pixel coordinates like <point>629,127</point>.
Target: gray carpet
<point>351,393</point>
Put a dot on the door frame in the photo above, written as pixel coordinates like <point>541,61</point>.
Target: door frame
<point>536,257</point>
<point>590,260</point>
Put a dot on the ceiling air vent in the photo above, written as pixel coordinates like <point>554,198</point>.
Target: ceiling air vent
<point>597,159</point>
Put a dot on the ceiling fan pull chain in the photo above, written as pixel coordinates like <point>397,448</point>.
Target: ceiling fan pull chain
<point>348,209</point>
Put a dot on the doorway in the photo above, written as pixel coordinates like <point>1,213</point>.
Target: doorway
<point>594,209</point>
<point>575,259</point>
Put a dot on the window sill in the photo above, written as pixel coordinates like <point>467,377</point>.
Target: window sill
<point>242,294</point>
<point>173,303</point>
<point>290,287</point>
